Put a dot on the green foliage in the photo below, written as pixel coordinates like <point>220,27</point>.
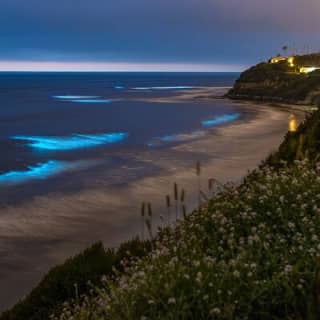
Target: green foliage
<point>305,142</point>
<point>308,60</point>
<point>73,279</point>
<point>252,253</point>
<point>277,82</point>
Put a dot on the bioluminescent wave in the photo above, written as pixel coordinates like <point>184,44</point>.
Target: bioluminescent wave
<point>164,88</point>
<point>182,137</point>
<point>174,138</point>
<point>119,87</point>
<point>221,119</point>
<point>75,141</point>
<point>75,97</point>
<point>41,171</point>
<point>92,101</point>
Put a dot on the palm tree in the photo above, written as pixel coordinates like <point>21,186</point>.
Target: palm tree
<point>285,49</point>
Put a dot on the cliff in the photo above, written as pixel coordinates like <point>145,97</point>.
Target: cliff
<point>280,82</point>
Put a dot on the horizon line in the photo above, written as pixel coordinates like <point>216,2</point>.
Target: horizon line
<point>58,66</point>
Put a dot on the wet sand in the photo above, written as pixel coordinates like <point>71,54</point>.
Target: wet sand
<point>44,231</point>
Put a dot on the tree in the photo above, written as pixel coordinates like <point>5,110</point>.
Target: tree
<point>285,49</point>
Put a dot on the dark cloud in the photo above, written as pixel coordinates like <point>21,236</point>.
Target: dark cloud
<point>202,31</point>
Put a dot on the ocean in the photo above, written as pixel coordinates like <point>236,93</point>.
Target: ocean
<point>80,152</point>
<point>52,124</point>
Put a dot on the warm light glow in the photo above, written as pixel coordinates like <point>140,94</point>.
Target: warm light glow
<point>291,61</point>
<point>308,69</point>
<point>277,59</point>
<point>292,123</point>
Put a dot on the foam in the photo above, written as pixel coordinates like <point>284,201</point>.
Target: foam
<point>98,101</point>
<point>220,119</point>
<point>75,141</point>
<point>68,97</point>
<point>164,88</point>
<point>180,137</point>
<point>40,171</point>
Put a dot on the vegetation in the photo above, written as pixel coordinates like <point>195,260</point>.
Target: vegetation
<point>308,60</point>
<point>280,82</point>
<point>75,277</point>
<point>252,252</point>
<point>304,143</point>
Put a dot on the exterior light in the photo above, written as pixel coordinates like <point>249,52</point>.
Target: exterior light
<point>308,69</point>
<point>292,123</point>
<point>291,61</point>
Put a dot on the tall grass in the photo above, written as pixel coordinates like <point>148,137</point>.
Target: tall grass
<point>253,253</point>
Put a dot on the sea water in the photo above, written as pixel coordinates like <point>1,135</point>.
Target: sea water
<point>52,121</point>
<point>81,151</point>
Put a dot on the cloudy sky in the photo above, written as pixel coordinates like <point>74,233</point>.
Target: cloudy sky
<point>152,34</point>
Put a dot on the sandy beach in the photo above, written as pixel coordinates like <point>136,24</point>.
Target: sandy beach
<point>44,231</point>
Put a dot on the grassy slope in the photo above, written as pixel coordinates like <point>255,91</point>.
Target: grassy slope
<point>252,253</point>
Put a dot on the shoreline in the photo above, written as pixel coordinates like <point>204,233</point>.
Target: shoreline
<point>220,93</point>
<point>60,225</point>
<point>283,105</point>
<point>269,103</point>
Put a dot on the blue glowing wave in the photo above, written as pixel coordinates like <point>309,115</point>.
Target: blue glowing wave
<point>164,88</point>
<point>40,171</point>
<point>75,97</point>
<point>75,141</point>
<point>221,119</point>
<point>182,137</point>
<point>91,100</point>
<point>119,87</point>
<point>174,138</point>
<point>83,99</point>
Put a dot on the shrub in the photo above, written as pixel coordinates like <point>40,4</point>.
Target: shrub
<point>73,279</point>
<point>253,253</point>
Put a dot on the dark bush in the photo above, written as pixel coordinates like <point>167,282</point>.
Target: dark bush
<point>74,278</point>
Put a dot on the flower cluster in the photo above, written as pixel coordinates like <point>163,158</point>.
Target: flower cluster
<point>251,253</point>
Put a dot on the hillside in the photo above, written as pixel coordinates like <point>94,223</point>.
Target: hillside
<point>252,252</point>
<point>280,82</point>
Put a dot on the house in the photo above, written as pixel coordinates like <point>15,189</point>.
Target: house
<point>277,59</point>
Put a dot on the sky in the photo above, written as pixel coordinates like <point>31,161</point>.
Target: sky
<point>147,35</point>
